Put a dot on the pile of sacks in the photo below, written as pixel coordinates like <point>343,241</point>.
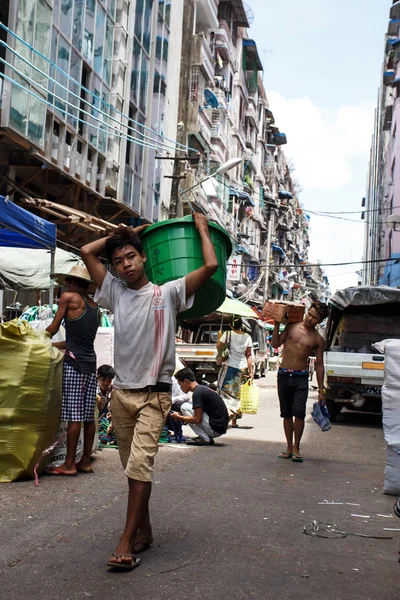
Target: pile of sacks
<point>391,414</point>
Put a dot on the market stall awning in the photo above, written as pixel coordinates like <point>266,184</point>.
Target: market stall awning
<point>235,307</point>
<point>278,249</point>
<point>23,229</point>
<point>24,269</point>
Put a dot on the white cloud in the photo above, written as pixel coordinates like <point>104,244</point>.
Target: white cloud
<point>330,149</point>
<point>322,142</point>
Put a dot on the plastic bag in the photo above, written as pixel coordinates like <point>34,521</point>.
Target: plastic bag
<point>224,354</point>
<point>30,397</point>
<point>249,396</point>
<point>321,416</point>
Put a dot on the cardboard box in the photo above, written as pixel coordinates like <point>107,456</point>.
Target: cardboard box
<point>283,312</point>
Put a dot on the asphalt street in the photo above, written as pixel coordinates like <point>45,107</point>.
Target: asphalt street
<point>228,520</point>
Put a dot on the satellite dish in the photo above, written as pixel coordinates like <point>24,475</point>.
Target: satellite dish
<point>393,220</point>
<point>210,98</point>
<point>249,13</point>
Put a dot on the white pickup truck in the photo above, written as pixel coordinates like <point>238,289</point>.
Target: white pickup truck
<point>201,353</point>
<point>359,317</point>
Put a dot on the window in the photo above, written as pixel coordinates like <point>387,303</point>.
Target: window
<point>89,31</point>
<point>27,113</point>
<point>99,40</point>
<point>66,17</point>
<point>197,85</point>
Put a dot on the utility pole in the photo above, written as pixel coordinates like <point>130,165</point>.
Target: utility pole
<point>271,226</point>
<point>189,17</point>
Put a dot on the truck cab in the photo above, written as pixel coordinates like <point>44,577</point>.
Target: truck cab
<point>354,369</point>
<point>196,345</point>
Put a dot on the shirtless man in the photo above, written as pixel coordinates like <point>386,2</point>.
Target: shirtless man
<point>300,341</point>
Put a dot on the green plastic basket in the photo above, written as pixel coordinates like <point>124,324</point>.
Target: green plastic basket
<point>173,249</point>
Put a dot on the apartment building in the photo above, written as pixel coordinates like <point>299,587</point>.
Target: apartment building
<point>381,206</point>
<point>88,113</point>
<point>224,113</point>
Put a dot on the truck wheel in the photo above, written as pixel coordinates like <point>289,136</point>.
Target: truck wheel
<point>334,409</point>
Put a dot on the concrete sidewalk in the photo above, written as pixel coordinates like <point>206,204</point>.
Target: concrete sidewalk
<point>228,521</point>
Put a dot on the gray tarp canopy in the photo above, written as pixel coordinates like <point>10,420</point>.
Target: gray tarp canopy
<point>365,296</point>
<point>23,270</point>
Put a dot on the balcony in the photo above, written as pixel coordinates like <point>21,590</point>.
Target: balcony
<point>388,77</point>
<point>223,40</point>
<point>393,27</point>
<point>251,112</point>
<point>395,10</point>
<point>203,56</point>
<point>387,120</point>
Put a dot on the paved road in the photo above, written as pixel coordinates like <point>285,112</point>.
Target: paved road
<point>228,521</point>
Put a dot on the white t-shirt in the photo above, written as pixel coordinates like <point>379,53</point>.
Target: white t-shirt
<point>239,342</point>
<point>144,329</point>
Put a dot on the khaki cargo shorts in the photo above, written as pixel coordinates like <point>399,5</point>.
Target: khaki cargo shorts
<point>138,419</point>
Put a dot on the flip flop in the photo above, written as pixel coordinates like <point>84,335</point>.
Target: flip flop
<point>297,458</point>
<point>285,455</point>
<point>87,471</point>
<point>60,472</point>
<point>135,562</point>
<point>145,545</point>
<point>200,442</point>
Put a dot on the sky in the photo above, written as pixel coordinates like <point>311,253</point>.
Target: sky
<point>322,69</point>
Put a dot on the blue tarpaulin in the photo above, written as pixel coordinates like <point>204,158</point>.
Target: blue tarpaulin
<point>22,229</point>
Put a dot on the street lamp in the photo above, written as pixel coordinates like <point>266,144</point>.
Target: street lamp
<point>224,168</point>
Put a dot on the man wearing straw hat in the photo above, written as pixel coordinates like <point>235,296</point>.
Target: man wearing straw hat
<point>144,361</point>
<point>81,319</point>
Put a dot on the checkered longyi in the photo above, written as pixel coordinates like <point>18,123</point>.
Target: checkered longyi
<point>79,395</point>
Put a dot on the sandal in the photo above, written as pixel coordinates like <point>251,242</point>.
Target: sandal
<point>285,455</point>
<point>297,458</point>
<point>135,562</point>
<point>143,545</point>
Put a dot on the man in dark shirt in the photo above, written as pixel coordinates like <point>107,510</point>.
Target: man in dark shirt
<point>207,415</point>
<point>81,320</point>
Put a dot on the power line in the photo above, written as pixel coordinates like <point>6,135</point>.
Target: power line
<point>65,74</point>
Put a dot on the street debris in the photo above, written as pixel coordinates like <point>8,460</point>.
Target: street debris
<point>361,516</point>
<point>331,531</point>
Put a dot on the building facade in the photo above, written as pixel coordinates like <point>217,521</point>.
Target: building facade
<point>382,201</point>
<point>111,110</point>
<point>86,115</point>
<point>224,113</point>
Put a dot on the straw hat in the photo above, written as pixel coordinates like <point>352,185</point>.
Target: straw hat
<point>77,272</point>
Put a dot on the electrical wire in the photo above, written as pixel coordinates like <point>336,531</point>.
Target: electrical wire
<point>68,76</point>
<point>81,110</point>
<point>113,132</point>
